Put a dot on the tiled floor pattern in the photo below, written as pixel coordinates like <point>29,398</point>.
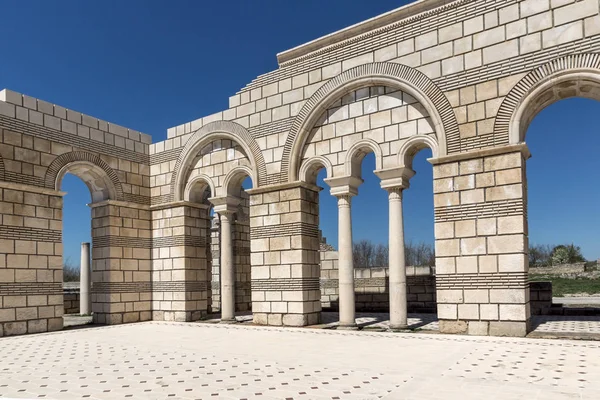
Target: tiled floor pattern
<point>566,324</point>
<point>156,360</point>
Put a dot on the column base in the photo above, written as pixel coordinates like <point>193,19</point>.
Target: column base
<point>228,321</point>
<point>399,328</point>
<point>347,327</point>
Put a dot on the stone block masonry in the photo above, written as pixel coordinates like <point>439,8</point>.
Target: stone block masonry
<point>463,78</point>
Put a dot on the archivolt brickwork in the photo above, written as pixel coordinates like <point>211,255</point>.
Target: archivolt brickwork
<point>572,62</point>
<point>217,130</point>
<point>64,160</point>
<point>396,75</point>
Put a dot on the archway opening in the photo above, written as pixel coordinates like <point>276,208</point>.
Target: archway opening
<point>562,212</point>
<point>373,130</point>
<point>77,228</point>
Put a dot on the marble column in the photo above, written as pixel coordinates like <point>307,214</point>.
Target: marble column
<point>346,266</point>
<point>227,269</point>
<point>85,281</point>
<point>397,262</point>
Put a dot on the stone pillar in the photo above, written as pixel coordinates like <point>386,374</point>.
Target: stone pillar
<point>397,262</point>
<point>180,275</point>
<point>481,242</point>
<point>121,262</point>
<point>227,269</point>
<point>346,265</point>
<point>85,281</point>
<point>284,233</point>
<point>344,188</point>
<point>226,208</point>
<point>395,180</point>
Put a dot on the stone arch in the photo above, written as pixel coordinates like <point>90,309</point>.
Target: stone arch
<point>99,177</point>
<point>310,168</point>
<point>413,145</point>
<point>394,75</point>
<point>208,133</point>
<point>234,178</point>
<point>190,195</point>
<point>557,79</point>
<point>356,153</point>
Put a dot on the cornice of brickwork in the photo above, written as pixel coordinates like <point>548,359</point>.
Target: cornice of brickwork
<point>408,14</point>
<point>469,155</point>
<point>29,188</point>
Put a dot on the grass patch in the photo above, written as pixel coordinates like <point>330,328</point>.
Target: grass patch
<point>564,286</point>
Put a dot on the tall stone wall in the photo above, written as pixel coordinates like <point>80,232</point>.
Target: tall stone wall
<point>30,260</point>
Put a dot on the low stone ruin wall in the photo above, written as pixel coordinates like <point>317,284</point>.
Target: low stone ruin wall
<point>540,297</point>
<point>71,297</point>
<point>564,269</point>
<point>372,287</point>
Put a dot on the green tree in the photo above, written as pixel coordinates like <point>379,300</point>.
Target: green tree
<point>567,254</point>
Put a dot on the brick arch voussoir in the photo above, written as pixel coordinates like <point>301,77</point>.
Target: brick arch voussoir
<point>529,82</point>
<point>400,72</point>
<point>228,127</point>
<point>82,156</point>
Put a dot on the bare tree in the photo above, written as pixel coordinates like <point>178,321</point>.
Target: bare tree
<point>70,272</point>
<point>365,254</point>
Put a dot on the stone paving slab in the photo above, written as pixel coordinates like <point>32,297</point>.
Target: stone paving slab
<point>156,360</point>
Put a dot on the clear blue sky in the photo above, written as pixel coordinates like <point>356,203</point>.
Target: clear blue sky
<point>150,65</point>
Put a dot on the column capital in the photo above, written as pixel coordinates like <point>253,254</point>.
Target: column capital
<point>395,178</point>
<point>344,185</point>
<point>225,205</point>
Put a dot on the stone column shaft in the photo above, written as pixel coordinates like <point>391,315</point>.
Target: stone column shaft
<point>85,281</point>
<point>346,266</point>
<point>397,262</point>
<point>227,270</point>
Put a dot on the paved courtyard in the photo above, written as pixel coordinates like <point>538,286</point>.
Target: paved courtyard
<point>158,360</point>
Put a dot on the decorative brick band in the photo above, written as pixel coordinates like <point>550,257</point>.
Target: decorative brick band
<point>480,210</point>
<point>37,234</point>
<point>139,287</point>
<point>296,228</point>
<point>82,156</point>
<point>136,198</point>
<point>179,240</point>
<point>122,241</point>
<point>492,280</point>
<point>31,180</point>
<point>79,142</point>
<point>121,287</point>
<point>181,286</point>
<point>269,128</point>
<point>30,288</point>
<point>376,72</point>
<point>149,243</point>
<point>165,156</point>
<point>285,284</point>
